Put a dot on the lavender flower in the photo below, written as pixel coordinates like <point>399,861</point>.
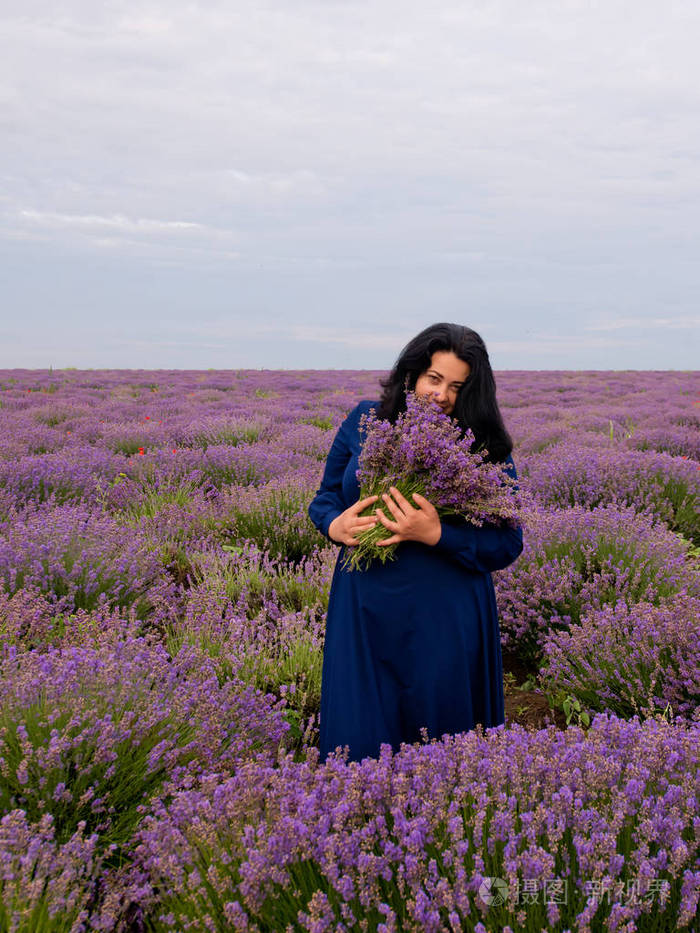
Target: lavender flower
<point>124,625</point>
<point>646,658</point>
<point>425,452</point>
<point>406,840</point>
<point>43,881</point>
<point>578,559</point>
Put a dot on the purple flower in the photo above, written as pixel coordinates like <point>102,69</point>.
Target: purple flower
<point>425,452</point>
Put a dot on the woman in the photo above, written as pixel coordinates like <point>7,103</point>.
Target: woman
<point>414,643</point>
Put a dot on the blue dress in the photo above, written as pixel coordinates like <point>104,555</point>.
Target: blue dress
<point>413,642</point>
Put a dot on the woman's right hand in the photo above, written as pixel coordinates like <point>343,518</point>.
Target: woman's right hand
<point>345,526</point>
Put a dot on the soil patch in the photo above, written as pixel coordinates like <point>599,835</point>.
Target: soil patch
<point>528,708</point>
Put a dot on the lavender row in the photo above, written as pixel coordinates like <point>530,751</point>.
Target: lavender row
<point>162,600</point>
<point>606,821</point>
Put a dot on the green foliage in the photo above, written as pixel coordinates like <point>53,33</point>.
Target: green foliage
<point>51,418</point>
<point>244,472</point>
<point>277,520</point>
<point>62,628</point>
<point>175,557</point>
<point>23,911</point>
<point>84,589</point>
<point>318,421</point>
<point>287,666</point>
<point>251,584</point>
<point>231,434</point>
<point>294,665</point>
<point>626,431</point>
<point>103,790</point>
<point>152,499</point>
<point>584,700</point>
<point>644,570</point>
<point>572,710</point>
<point>60,488</point>
<point>685,506</point>
<point>693,552</point>
<point>129,446</point>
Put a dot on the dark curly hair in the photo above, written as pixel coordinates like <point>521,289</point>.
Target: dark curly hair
<point>476,406</point>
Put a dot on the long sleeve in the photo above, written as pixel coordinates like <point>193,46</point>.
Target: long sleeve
<point>485,548</point>
<point>328,502</point>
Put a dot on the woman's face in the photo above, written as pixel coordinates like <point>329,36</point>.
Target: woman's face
<point>443,379</point>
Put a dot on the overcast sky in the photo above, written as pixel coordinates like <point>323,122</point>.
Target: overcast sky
<point>302,184</point>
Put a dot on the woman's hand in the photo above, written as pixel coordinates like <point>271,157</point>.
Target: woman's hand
<point>421,524</point>
<point>345,526</point>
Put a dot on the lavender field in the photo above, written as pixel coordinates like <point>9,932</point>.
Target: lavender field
<point>162,605</point>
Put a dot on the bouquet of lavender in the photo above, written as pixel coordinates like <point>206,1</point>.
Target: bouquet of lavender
<point>425,452</point>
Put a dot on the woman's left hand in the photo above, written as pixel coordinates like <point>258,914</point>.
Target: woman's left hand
<point>410,524</point>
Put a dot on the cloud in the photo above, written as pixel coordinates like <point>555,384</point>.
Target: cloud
<point>549,345</point>
<point>162,240</point>
<point>117,222</point>
<point>238,327</point>
<point>637,323</point>
<point>347,338</point>
<point>503,155</point>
